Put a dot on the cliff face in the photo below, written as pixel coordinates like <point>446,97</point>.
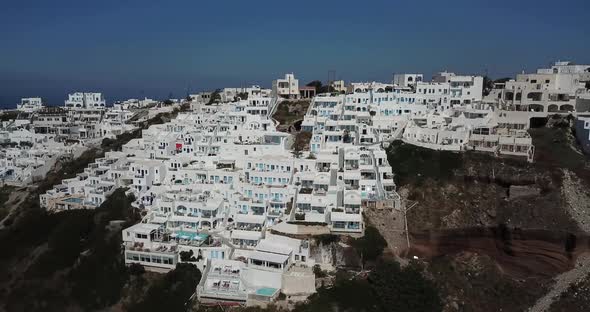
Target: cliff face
<point>488,192</point>
<point>460,195</point>
<point>472,189</point>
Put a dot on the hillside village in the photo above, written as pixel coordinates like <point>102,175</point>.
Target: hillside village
<point>266,199</point>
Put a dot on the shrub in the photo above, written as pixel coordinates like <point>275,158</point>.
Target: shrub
<point>187,256</point>
<point>172,292</point>
<point>412,163</point>
<point>319,273</point>
<point>136,269</point>
<point>301,143</point>
<point>404,289</point>
<point>327,239</point>
<point>300,216</point>
<point>370,246</point>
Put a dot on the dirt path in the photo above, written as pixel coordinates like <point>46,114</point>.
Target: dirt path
<point>391,226</point>
<point>577,204</point>
<point>562,283</point>
<point>14,201</point>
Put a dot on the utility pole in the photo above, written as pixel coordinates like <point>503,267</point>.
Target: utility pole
<point>405,210</point>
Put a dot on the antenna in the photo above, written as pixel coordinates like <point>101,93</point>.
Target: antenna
<point>331,77</point>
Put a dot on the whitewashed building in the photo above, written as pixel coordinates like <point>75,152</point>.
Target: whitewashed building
<point>287,87</point>
<point>85,100</point>
<point>29,105</point>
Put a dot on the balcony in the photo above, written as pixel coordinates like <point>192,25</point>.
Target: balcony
<point>305,191</point>
<point>275,213</point>
<point>322,190</point>
<point>351,167</point>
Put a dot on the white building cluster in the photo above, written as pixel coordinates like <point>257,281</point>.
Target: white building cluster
<point>559,89</point>
<point>213,182</point>
<point>37,136</point>
<point>29,105</point>
<point>220,187</point>
<point>446,113</point>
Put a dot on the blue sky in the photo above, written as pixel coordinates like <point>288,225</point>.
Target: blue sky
<point>153,48</point>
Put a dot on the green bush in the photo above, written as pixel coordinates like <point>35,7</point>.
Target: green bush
<point>65,243</point>
<point>319,273</point>
<point>299,216</point>
<point>404,289</point>
<point>136,269</point>
<point>415,164</point>
<point>100,276</point>
<point>370,246</point>
<point>187,256</point>
<point>172,292</point>
<point>345,295</point>
<point>326,239</point>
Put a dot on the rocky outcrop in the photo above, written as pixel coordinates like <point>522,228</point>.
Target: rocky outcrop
<point>576,199</point>
<point>517,191</point>
<point>487,191</point>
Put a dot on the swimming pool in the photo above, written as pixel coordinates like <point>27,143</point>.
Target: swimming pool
<point>74,200</point>
<point>266,291</point>
<point>192,236</point>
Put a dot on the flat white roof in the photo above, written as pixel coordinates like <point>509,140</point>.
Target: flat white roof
<point>270,257</point>
<point>159,220</point>
<point>266,245</point>
<point>143,228</point>
<point>321,178</point>
<point>283,240</point>
<point>352,175</point>
<point>244,218</point>
<point>247,235</point>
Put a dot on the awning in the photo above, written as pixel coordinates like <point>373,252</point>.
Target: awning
<point>269,257</point>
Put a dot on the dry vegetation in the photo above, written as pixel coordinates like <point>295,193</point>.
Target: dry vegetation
<point>289,113</point>
<point>458,191</point>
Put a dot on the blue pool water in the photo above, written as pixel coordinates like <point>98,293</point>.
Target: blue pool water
<point>74,200</point>
<point>192,236</point>
<point>266,291</point>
